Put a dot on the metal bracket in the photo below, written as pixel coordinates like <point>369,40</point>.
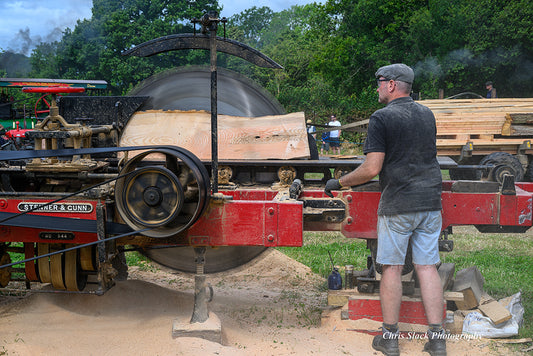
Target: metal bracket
<point>521,153</point>
<point>466,151</point>
<point>508,187</point>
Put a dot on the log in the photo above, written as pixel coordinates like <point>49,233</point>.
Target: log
<point>239,138</point>
<point>522,118</point>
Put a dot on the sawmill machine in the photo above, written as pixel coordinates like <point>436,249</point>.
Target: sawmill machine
<point>80,197</point>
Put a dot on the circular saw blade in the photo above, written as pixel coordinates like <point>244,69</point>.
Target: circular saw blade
<point>189,88</point>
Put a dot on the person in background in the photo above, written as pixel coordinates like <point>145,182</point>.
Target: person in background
<point>311,129</point>
<point>491,90</point>
<point>335,136</point>
<point>401,148</point>
<point>325,142</point>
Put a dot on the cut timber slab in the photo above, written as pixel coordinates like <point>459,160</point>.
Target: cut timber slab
<point>469,281</point>
<point>494,310</point>
<point>239,138</point>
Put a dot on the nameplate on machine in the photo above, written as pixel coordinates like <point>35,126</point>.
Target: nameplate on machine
<point>80,208</point>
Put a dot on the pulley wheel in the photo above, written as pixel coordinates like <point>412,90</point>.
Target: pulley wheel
<point>88,258</point>
<point>164,189</point>
<point>43,264</point>
<point>153,196</point>
<point>57,265</point>
<point>75,280</point>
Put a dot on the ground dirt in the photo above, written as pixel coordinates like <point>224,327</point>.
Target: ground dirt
<point>272,306</point>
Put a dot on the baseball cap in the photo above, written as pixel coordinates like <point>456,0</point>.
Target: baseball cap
<point>397,71</point>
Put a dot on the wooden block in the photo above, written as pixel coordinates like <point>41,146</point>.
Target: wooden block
<point>340,297</point>
<point>469,281</point>
<point>446,272</point>
<point>493,310</point>
<point>454,296</point>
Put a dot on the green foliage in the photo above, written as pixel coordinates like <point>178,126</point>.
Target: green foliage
<point>329,51</point>
<point>14,65</point>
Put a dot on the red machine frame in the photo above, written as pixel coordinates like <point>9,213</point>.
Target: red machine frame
<point>255,217</point>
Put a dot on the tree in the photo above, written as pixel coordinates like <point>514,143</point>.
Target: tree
<point>93,49</point>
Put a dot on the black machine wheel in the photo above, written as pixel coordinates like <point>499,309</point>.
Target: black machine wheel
<point>166,195</point>
<point>504,163</point>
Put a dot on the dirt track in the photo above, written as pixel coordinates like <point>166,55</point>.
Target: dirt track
<point>272,307</point>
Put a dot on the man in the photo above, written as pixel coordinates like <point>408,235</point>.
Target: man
<point>311,129</point>
<point>491,91</point>
<point>335,136</point>
<point>400,147</point>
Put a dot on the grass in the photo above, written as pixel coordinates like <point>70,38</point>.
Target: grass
<point>504,260</point>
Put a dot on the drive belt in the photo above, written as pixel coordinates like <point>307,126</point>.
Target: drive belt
<point>30,154</point>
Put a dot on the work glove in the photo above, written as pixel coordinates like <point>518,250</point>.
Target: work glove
<point>332,184</point>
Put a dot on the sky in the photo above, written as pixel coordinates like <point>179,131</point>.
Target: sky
<point>26,23</point>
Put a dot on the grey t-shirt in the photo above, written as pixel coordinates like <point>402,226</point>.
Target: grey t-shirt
<point>410,178</point>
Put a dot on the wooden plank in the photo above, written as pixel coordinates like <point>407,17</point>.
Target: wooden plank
<point>240,138</point>
<point>454,296</point>
<point>493,310</point>
<point>340,297</point>
<point>497,142</point>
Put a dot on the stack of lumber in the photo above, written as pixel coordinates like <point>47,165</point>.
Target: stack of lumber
<point>239,138</point>
<point>496,124</point>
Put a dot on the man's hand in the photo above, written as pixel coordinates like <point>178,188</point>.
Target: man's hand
<point>332,184</point>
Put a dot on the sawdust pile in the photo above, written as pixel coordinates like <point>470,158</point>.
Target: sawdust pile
<point>274,306</point>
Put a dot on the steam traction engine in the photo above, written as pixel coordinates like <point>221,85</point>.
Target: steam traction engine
<point>81,196</point>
